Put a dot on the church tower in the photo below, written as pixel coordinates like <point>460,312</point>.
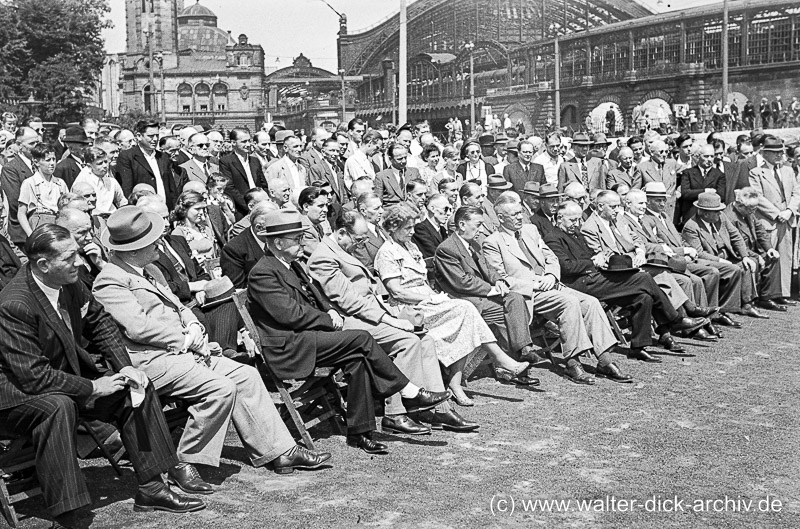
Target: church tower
<point>163,14</point>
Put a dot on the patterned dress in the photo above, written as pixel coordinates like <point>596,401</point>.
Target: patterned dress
<point>455,325</point>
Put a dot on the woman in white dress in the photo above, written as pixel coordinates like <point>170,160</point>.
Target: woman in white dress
<point>455,325</point>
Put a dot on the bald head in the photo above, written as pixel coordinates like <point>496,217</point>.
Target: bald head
<point>575,190</point>
<point>195,186</point>
<point>706,156</point>
<point>85,190</point>
<point>186,133</point>
<point>279,191</point>
<point>360,187</point>
<point>79,224</point>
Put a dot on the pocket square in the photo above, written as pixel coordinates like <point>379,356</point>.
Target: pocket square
<point>84,310</point>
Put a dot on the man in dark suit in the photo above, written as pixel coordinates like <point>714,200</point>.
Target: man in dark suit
<point>524,170</point>
<point>697,180</point>
<point>300,331</point>
<point>544,218</point>
<point>19,168</point>
<point>325,170</point>
<point>9,262</point>
<point>142,164</point>
<point>462,272</point>
<point>242,252</point>
<point>430,233</point>
<point>68,168</point>
<point>79,224</point>
<point>390,184</point>
<point>626,172</point>
<point>48,379</point>
<point>243,171</point>
<point>586,272</point>
<point>767,273</point>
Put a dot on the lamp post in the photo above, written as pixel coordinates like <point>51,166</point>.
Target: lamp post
<point>153,104</point>
<point>160,58</point>
<point>725,52</point>
<point>471,47</point>
<point>344,100</point>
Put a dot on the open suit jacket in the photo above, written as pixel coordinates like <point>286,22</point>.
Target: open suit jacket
<point>697,235</point>
<point>667,174</point>
<point>12,175</point>
<point>239,256</point>
<point>753,234</point>
<point>516,174</point>
<point>176,283</point>
<point>230,166</point>
<point>569,172</point>
<point>389,189</point>
<point>775,199</point>
<point>460,274</point>
<point>321,172</point>
<point>283,169</point>
<point>133,169</point>
<point>366,253</point>
<point>621,176</point>
<point>40,354</point>
<point>347,283</point>
<point>191,171</point>
<point>693,183</point>
<point>284,312</point>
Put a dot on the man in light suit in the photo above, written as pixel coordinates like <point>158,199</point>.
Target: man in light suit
<point>19,168</point>
<point>313,155</point>
<point>590,173</point>
<point>524,170</point>
<point>48,379</point>
<point>519,256</point>
<point>356,293</point>
<point>778,207</point>
<point>371,208</point>
<point>289,167</point>
<point>326,170</point>
<point>390,184</point>
<point>626,173</point>
<point>167,342</point>
<point>243,170</point>
<point>242,252</point>
<point>198,168</point>
<point>662,168</point>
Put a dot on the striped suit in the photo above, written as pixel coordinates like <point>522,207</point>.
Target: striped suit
<point>46,382</point>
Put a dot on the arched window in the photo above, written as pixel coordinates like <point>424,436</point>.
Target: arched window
<point>184,97</point>
<point>220,97</point>
<point>147,98</point>
<point>203,97</point>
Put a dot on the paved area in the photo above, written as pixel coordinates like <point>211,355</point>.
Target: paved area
<point>720,424</point>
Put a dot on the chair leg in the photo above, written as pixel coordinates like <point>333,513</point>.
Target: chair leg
<point>612,320</point>
<point>293,413</point>
<point>102,447</point>
<point>6,506</point>
<point>474,360</point>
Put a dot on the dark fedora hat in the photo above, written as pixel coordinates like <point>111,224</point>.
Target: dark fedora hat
<point>512,146</point>
<point>218,291</point>
<point>549,191</point>
<point>498,182</point>
<point>773,144</point>
<point>581,138</point>
<point>76,135</point>
<point>668,263</point>
<point>600,139</point>
<point>620,263</point>
<point>709,202</point>
<point>486,140</point>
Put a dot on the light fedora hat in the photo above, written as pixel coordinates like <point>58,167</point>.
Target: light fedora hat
<point>281,222</point>
<point>132,228</point>
<point>709,202</point>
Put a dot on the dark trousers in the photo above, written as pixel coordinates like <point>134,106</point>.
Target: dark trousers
<point>508,318</point>
<point>635,291</point>
<point>50,421</point>
<point>730,285</point>
<point>369,372</point>
<point>710,277</point>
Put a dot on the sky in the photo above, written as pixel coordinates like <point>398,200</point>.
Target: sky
<point>285,28</point>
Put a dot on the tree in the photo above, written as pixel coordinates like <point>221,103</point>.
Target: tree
<point>53,49</point>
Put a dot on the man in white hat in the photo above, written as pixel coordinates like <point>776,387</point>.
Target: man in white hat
<point>167,342</point>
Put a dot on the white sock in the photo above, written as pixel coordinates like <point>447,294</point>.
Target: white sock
<point>410,391</point>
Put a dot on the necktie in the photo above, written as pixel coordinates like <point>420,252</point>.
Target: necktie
<point>175,262</point>
<point>321,233</point>
<point>305,284</point>
<point>622,242</point>
<point>584,175</point>
<point>442,232</point>
<point>65,316</point>
<point>778,183</point>
<point>537,268</point>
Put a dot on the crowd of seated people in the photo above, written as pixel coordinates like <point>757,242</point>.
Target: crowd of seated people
<point>385,256</point>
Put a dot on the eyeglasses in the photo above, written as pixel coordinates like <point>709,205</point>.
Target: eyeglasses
<point>202,145</point>
<point>89,195</point>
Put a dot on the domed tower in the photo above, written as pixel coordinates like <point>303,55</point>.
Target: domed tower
<point>162,14</point>
<point>198,31</point>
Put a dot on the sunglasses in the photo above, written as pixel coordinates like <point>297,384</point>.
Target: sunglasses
<point>202,145</point>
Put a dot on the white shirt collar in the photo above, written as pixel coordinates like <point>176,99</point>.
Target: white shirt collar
<point>464,242</point>
<point>258,241</point>
<point>50,293</point>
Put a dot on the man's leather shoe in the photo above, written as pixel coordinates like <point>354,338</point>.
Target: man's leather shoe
<point>365,443</point>
<point>668,342</point>
<point>769,304</point>
<point>578,375</point>
<point>749,310</point>
<point>688,324</point>
<point>425,400</point>
<point>703,335</point>
<point>166,500</point>
<point>186,477</point>
<point>640,353</point>
<point>521,379</point>
<point>551,329</point>
<point>533,356</point>
<point>700,312</point>
<point>727,321</point>
<point>612,372</point>
<point>713,330</point>
<point>403,424</point>
<point>299,457</point>
<point>786,301</point>
<point>450,421</point>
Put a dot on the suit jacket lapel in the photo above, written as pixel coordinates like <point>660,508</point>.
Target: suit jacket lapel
<point>139,157</point>
<point>54,320</point>
<point>467,256</point>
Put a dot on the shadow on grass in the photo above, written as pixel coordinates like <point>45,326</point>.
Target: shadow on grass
<point>408,439</point>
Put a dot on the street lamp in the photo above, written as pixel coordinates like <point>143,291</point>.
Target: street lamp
<point>160,58</point>
<point>344,102</point>
<point>470,46</point>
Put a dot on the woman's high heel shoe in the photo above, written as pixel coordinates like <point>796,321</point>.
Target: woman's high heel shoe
<point>518,378</point>
<point>462,401</point>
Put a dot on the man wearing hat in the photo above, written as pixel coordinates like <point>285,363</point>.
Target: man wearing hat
<point>19,168</point>
<point>300,330</point>
<point>49,322</point>
<point>243,171</point>
<point>167,342</point>
<point>68,168</point>
<point>626,286</point>
<point>588,172</point>
<point>718,244</point>
<point>530,201</point>
<point>778,206</point>
<point>488,152</point>
<point>544,218</point>
<point>523,170</point>
<point>500,143</point>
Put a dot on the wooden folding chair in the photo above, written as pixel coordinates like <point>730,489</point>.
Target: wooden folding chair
<point>175,413</point>
<point>16,455</point>
<point>540,337</point>
<point>613,313</point>
<point>305,396</point>
<point>212,267</point>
